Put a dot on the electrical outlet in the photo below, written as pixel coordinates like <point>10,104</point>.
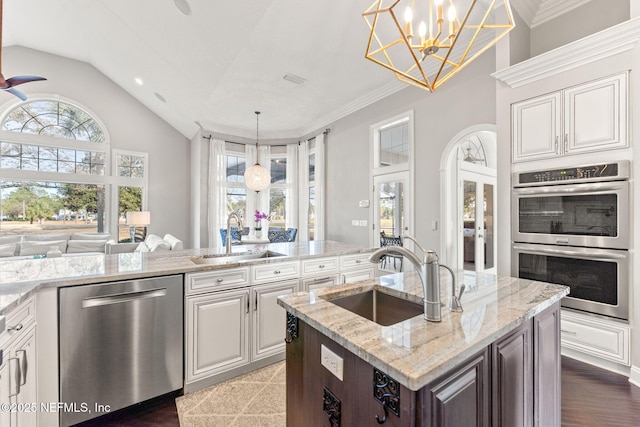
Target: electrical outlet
<point>331,361</point>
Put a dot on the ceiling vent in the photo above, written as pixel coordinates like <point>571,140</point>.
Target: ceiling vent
<point>292,78</point>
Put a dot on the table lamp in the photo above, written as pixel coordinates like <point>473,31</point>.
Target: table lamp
<point>137,219</point>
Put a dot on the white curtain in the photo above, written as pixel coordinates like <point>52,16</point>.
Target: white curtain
<point>292,184</point>
<point>319,233</point>
<point>216,202</point>
<point>303,191</point>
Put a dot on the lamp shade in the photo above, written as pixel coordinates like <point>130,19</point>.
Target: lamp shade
<point>138,218</point>
<point>257,177</point>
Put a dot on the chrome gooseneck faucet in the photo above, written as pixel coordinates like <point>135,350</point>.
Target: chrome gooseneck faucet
<point>428,270</point>
<point>228,238</point>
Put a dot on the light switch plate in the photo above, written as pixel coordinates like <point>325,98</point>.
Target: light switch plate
<point>363,203</point>
<point>355,222</point>
<point>331,361</point>
<point>363,223</point>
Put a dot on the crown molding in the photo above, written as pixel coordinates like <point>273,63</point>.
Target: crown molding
<point>606,43</point>
<point>550,10</point>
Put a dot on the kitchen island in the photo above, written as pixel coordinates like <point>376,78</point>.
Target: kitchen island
<point>496,363</point>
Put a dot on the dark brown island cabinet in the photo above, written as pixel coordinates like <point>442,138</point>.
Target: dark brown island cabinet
<point>514,381</point>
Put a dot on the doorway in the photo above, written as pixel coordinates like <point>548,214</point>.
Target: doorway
<point>468,201</point>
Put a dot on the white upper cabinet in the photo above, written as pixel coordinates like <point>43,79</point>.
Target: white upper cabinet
<point>584,118</point>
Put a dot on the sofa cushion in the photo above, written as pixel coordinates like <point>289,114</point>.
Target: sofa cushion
<point>7,249</point>
<point>44,237</point>
<point>10,238</point>
<point>155,243</point>
<point>41,248</point>
<point>80,246</point>
<point>174,243</point>
<point>90,236</point>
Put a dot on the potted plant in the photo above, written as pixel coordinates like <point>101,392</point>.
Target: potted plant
<point>258,217</point>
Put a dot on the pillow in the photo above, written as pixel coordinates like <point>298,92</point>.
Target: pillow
<point>10,238</point>
<point>44,237</point>
<point>41,248</point>
<point>142,247</point>
<point>80,246</point>
<point>8,249</point>
<point>159,245</point>
<point>90,236</point>
<point>175,243</point>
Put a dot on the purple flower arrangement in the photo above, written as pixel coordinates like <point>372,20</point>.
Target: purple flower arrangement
<point>259,216</point>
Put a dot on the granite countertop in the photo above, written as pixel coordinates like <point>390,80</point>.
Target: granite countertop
<point>415,352</point>
<point>21,278</point>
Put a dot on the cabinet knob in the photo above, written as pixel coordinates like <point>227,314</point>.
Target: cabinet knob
<point>321,266</point>
<point>358,261</point>
<point>276,272</point>
<point>219,280</point>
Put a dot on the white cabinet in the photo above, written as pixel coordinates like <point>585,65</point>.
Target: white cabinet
<point>18,386</point>
<point>269,319</point>
<point>319,273</point>
<point>583,118</point>
<point>312,283</point>
<point>354,268</point>
<point>217,336</point>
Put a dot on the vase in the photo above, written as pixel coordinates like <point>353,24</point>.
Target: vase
<point>258,233</point>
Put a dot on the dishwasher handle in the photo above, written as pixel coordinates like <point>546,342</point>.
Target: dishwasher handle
<point>120,298</point>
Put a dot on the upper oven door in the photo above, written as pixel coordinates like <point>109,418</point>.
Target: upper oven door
<point>591,214</point>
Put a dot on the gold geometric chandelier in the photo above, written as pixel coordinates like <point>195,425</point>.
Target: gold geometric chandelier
<point>441,46</point>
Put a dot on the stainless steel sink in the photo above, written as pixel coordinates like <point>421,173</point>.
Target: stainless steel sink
<point>379,307</point>
<point>233,257</point>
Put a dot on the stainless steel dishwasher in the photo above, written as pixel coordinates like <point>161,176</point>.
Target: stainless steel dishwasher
<point>120,343</point>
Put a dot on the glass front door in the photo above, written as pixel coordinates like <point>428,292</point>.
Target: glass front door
<point>478,207</point>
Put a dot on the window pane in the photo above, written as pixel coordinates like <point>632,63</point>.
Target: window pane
<point>235,168</point>
<point>237,201</point>
<point>312,212</point>
<point>129,199</point>
<point>278,170</point>
<point>51,207</point>
<point>48,165</point>
<point>394,145</point>
<point>312,167</point>
<point>277,207</point>
<point>128,165</point>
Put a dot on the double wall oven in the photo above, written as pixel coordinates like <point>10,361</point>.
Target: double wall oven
<point>572,227</point>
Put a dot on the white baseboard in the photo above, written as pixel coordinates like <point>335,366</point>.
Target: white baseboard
<point>600,363</point>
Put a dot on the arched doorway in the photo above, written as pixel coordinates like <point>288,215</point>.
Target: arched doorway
<point>468,181</point>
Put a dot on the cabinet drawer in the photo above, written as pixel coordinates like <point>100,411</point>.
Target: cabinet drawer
<point>355,261</point>
<point>603,338</point>
<point>217,280</point>
<point>275,271</point>
<point>20,319</point>
<point>320,265</point>
<point>357,275</point>
<point>313,283</point>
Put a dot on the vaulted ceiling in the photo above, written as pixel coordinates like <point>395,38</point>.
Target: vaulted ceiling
<point>223,60</point>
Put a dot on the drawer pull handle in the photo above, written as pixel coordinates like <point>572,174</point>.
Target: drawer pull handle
<point>322,279</point>
<point>18,327</point>
<point>564,331</point>
<point>219,280</point>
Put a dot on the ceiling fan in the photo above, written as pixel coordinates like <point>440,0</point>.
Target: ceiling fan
<point>10,83</point>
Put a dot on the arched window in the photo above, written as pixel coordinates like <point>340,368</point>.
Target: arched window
<point>53,118</point>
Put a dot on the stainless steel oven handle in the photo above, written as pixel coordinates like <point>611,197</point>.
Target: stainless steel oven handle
<point>597,256</point>
<point>119,298</point>
<point>591,188</point>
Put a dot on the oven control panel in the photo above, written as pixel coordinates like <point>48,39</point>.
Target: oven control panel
<point>600,172</point>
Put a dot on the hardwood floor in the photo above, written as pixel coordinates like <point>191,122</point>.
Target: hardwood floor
<point>595,397</point>
<point>590,397</point>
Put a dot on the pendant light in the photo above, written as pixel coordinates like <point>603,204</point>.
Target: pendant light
<point>257,177</point>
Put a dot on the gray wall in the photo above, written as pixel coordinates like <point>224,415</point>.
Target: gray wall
<point>130,125</point>
<point>467,99</point>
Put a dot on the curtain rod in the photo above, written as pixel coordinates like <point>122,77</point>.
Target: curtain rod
<point>325,132</point>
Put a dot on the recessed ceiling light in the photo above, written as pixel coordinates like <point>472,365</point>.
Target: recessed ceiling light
<point>292,78</point>
<point>139,81</point>
<point>183,6</point>
<point>160,97</point>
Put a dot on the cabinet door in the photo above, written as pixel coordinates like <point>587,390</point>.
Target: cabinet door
<point>217,335</point>
<point>536,128</point>
<point>5,389</point>
<point>512,377</point>
<point>595,115</point>
<point>546,367</point>
<point>460,398</point>
<point>269,320</point>
<point>25,352</point>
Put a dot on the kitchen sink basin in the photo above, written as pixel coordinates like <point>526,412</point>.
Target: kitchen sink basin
<point>379,307</point>
<point>233,257</point>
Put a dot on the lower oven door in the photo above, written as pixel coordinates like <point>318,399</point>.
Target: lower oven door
<point>598,278</point>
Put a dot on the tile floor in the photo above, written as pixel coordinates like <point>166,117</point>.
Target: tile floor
<point>256,399</point>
